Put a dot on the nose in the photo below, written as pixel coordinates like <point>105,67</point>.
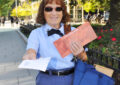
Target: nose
<point>54,12</point>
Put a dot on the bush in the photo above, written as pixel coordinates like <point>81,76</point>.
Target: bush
<point>26,29</point>
<point>108,41</point>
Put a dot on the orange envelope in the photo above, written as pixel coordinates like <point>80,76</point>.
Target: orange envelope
<point>84,34</point>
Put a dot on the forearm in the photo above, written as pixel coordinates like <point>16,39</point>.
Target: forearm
<point>30,54</point>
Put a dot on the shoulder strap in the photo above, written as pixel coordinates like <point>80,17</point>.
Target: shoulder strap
<point>67,28</point>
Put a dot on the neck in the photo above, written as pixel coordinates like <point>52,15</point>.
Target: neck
<point>56,26</point>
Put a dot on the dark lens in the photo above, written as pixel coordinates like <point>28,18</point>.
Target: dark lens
<point>59,9</point>
<point>48,9</point>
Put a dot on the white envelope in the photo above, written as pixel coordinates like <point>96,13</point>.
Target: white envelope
<point>38,64</point>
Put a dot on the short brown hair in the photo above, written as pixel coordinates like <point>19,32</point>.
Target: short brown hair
<point>40,16</point>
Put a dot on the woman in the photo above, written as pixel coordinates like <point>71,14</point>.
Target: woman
<point>52,15</point>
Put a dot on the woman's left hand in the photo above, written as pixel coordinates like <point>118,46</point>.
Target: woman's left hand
<point>76,48</point>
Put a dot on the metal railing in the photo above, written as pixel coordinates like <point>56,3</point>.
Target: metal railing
<point>97,57</point>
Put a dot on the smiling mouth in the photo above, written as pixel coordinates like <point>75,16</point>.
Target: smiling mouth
<point>54,17</point>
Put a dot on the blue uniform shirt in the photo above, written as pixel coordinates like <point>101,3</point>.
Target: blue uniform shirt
<point>44,47</point>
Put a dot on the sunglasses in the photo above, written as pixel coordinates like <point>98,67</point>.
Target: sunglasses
<point>49,9</point>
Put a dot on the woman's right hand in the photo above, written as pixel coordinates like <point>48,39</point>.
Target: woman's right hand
<point>30,55</point>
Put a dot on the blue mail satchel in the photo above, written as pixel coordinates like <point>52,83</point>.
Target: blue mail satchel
<point>86,74</point>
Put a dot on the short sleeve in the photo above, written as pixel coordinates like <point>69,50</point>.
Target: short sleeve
<point>33,41</point>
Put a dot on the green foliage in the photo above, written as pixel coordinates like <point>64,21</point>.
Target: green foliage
<point>92,5</point>
<point>105,4</point>
<point>5,7</point>
<point>25,9</point>
<point>88,6</point>
<point>80,3</point>
<point>108,41</point>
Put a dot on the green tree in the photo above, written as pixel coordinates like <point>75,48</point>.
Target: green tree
<point>89,6</point>
<point>100,5</point>
<point>96,5</point>
<point>105,4</point>
<point>92,5</point>
<point>23,10</point>
<point>5,7</point>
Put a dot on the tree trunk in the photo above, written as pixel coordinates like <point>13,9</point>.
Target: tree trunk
<point>114,19</point>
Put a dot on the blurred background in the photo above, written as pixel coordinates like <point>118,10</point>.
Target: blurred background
<point>25,11</point>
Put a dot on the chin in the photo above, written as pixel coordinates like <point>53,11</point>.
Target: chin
<point>55,23</point>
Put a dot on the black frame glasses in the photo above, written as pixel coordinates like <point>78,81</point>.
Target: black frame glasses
<point>50,9</point>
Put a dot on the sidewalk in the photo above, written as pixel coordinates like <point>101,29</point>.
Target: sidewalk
<point>12,48</point>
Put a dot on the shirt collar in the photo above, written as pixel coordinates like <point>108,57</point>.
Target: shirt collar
<point>48,27</point>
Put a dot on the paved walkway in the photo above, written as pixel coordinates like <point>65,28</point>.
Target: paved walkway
<point>12,48</point>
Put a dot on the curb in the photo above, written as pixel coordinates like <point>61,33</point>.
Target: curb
<point>22,36</point>
<point>33,73</point>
